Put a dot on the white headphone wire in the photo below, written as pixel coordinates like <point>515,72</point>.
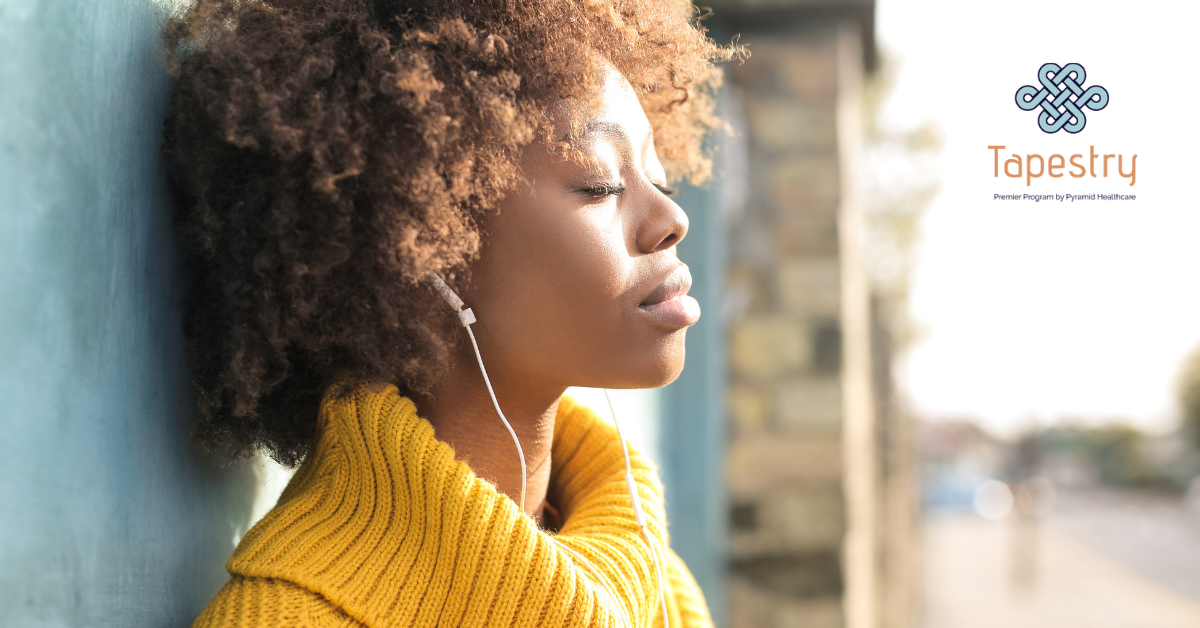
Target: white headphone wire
<point>496,404</point>
<point>659,559</point>
<point>607,587</point>
<point>467,317</point>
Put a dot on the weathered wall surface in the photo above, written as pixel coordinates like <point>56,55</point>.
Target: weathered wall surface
<point>785,455</point>
<point>800,459</point>
<point>108,517</point>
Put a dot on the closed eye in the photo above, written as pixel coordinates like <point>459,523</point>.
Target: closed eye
<point>603,189</point>
<point>666,189</point>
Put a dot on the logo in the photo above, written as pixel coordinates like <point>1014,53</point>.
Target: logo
<point>1062,98</point>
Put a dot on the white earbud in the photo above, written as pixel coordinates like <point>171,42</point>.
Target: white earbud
<point>466,316</point>
<point>659,558</point>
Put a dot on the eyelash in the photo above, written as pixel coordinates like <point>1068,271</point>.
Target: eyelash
<point>606,189</point>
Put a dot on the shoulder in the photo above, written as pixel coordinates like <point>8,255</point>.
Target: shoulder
<point>686,602</point>
<point>247,602</point>
<point>580,433</point>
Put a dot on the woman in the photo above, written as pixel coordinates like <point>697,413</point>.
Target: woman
<point>334,162</point>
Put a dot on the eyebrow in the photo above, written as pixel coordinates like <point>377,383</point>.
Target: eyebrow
<point>613,130</point>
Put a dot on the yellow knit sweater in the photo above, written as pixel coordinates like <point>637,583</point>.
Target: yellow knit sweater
<point>382,526</point>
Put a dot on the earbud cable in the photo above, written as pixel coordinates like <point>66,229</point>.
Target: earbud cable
<point>467,317</point>
<point>658,558</point>
<point>511,431</point>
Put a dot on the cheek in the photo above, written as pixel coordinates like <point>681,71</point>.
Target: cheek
<point>556,278</point>
<point>600,337</point>
<point>593,269</point>
<point>591,273</point>
<point>562,290</point>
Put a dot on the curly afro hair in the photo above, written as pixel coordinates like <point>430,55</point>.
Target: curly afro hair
<point>325,154</point>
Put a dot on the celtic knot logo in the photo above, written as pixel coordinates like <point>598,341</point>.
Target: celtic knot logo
<point>1062,98</point>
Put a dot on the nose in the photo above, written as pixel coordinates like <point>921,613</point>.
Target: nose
<point>663,222</point>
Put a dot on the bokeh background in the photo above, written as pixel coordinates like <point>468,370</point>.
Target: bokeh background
<point>907,404</point>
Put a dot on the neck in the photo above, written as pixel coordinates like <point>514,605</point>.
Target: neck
<point>462,415</point>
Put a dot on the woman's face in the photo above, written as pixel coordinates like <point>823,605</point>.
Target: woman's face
<point>578,282</point>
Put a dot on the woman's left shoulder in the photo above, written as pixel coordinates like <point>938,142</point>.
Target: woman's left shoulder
<point>686,602</point>
<point>252,602</point>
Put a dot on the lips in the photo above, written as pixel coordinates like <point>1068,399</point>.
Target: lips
<point>670,303</point>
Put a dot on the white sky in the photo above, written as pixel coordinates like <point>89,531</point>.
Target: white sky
<point>1037,311</point>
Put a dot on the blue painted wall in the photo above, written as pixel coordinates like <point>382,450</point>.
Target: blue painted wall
<point>694,423</point>
<point>693,420</point>
<point>108,516</point>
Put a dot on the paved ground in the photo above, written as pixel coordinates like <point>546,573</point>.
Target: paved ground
<point>1146,532</point>
<point>1101,561</point>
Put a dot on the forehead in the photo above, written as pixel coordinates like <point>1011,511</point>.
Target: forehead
<point>620,108</point>
<point>618,115</point>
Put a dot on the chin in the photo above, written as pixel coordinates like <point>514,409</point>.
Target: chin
<point>654,366</point>
<point>667,376</point>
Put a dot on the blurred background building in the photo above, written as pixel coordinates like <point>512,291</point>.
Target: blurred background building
<point>802,454</point>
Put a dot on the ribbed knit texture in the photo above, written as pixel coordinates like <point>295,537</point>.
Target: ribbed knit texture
<point>382,526</point>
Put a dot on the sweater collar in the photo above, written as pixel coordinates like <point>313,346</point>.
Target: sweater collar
<point>383,521</point>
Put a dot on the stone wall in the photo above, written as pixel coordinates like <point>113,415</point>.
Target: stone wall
<point>801,456</point>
